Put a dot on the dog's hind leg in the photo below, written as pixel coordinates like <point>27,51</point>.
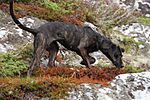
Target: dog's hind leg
<point>39,47</point>
<point>53,50</point>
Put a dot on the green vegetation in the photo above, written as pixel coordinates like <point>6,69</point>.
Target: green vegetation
<point>144,21</point>
<point>132,69</point>
<point>129,43</point>
<point>108,17</point>
<point>15,63</point>
<point>52,5</point>
<point>39,87</point>
<point>11,66</point>
<point>64,7</point>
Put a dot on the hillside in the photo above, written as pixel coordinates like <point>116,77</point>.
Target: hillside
<point>126,23</point>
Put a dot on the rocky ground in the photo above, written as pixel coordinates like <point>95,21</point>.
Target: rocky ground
<point>124,87</point>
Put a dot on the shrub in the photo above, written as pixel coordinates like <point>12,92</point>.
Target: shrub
<point>11,66</point>
<point>15,63</point>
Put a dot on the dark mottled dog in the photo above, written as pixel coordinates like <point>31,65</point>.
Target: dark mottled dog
<point>81,40</point>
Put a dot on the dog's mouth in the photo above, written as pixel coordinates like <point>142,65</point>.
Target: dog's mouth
<point>118,65</point>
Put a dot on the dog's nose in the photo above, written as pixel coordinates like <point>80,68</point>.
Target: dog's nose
<point>121,66</point>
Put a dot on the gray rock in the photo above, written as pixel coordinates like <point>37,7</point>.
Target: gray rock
<point>139,33</point>
<point>12,37</point>
<point>134,86</point>
<point>140,5</point>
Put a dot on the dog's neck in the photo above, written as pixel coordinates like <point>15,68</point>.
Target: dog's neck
<point>103,42</point>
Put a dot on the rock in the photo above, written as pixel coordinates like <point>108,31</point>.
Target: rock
<point>140,34</point>
<point>141,5</point>
<point>137,31</point>
<point>12,37</point>
<point>135,86</point>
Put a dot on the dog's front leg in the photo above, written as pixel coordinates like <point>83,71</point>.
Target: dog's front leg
<point>84,56</point>
<point>91,60</point>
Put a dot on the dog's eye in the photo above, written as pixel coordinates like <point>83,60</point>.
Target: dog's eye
<point>59,34</point>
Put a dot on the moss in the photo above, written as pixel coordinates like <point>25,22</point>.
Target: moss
<point>132,69</point>
<point>144,21</point>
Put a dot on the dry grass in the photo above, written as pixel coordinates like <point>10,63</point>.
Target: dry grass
<point>81,75</point>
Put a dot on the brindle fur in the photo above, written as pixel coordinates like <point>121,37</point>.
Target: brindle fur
<point>82,40</point>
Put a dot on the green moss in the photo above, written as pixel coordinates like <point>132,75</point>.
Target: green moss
<point>132,69</point>
<point>144,21</point>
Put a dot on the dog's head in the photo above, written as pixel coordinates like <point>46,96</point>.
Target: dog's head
<point>113,52</point>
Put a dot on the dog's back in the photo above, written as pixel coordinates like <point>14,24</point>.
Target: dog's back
<point>68,35</point>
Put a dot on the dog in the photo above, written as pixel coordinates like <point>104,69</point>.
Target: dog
<point>82,40</point>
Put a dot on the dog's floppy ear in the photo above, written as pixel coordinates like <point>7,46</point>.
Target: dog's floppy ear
<point>105,45</point>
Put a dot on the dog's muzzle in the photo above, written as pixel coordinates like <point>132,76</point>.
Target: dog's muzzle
<point>118,65</point>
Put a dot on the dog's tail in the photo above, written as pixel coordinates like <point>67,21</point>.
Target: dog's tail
<point>33,31</point>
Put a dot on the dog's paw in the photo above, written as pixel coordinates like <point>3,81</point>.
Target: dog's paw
<point>51,64</point>
<point>91,60</point>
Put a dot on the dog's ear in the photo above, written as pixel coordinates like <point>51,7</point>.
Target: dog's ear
<point>122,49</point>
<point>105,45</point>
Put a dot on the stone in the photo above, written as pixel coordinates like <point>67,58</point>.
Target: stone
<point>135,86</point>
